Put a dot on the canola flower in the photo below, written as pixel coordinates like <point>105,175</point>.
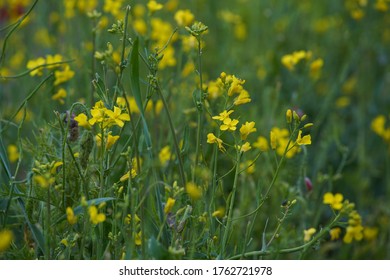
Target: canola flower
<point>211,139</point>
<point>70,216</point>
<point>6,237</point>
<point>334,200</point>
<point>95,217</point>
<point>169,205</point>
<point>13,153</point>
<point>193,191</point>
<point>308,233</point>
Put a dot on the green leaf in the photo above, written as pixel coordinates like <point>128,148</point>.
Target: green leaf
<point>136,89</point>
<point>156,250</point>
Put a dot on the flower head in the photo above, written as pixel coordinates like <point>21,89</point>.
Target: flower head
<point>308,233</point>
<point>63,76</point>
<point>6,237</point>
<point>193,191</point>
<point>335,201</point>
<point>117,116</point>
<point>222,116</point>
<point>229,124</point>
<point>94,216</point>
<point>335,233</point>
<point>13,153</point>
<point>169,205</point>
<point>247,129</point>
<point>72,219</point>
<point>153,6</point>
<point>211,138</point>
<point>184,17</point>
<point>305,140</point>
<point>82,120</point>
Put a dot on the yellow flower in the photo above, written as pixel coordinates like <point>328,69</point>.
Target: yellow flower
<point>44,181</point>
<point>55,166</point>
<point>353,232</point>
<point>72,219</point>
<point>53,59</point>
<point>35,63</point>
<point>242,98</point>
<point>308,233</point>
<point>335,233</point>
<point>315,68</point>
<point>370,233</point>
<point>261,144</point>
<point>247,129</point>
<point>111,140</point>
<point>112,6</point>
<point>169,205</point>
<point>219,213</point>
<point>6,237</point>
<point>235,86</point>
<point>164,155</point>
<point>138,239</point>
<point>63,76</point>
<point>378,125</point>
<point>335,201</point>
<point>184,17</point>
<point>60,95</point>
<point>289,116</point>
<point>117,116</point>
<point>244,148</point>
<point>140,26</point>
<point>125,177</point>
<point>98,113</point>
<point>211,138</point>
<point>229,124</point>
<point>306,140</point>
<point>13,153</point>
<point>94,216</point>
<point>381,5</point>
<point>82,120</point>
<point>153,6</point>
<point>222,116</point>
<point>193,191</point>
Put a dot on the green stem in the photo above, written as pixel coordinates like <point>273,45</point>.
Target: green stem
<point>294,249</point>
<point>227,230</point>
<point>48,226</point>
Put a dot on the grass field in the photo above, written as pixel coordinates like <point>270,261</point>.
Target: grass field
<point>195,129</point>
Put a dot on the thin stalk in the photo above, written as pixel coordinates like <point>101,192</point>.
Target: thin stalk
<point>175,142</point>
<point>199,105</point>
<point>230,213</point>
<point>48,226</point>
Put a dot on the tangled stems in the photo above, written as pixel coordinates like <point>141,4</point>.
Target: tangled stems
<point>302,248</point>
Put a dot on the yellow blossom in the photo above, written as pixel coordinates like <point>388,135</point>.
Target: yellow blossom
<point>315,68</point>
<point>45,180</point>
<point>35,63</point>
<point>308,233</point>
<point>247,129</point>
<point>94,216</point>
<point>235,85</point>
<point>72,219</point>
<point>98,113</point>
<point>6,237</point>
<point>55,166</point>
<point>229,124</point>
<point>117,116</point>
<point>63,76</point>
<point>153,6</point>
<point>184,17</point>
<point>242,98</point>
<point>211,138</point>
<point>335,233</point>
<point>353,232</point>
<point>245,147</point>
<point>110,140</point>
<point>140,26</point>
<point>169,205</point>
<point>334,200</point>
<point>164,155</point>
<point>59,95</point>
<point>222,116</point>
<point>194,191</point>
<point>125,177</point>
<point>128,219</point>
<point>138,239</point>
<point>378,125</point>
<point>305,140</point>
<point>219,213</point>
<point>289,116</point>
<point>112,6</point>
<point>261,144</point>
<point>51,59</point>
<point>273,140</point>
<point>13,153</point>
<point>370,233</point>
<point>381,5</point>
<point>82,120</point>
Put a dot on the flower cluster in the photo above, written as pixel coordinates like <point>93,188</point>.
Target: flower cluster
<point>44,174</point>
<point>290,61</point>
